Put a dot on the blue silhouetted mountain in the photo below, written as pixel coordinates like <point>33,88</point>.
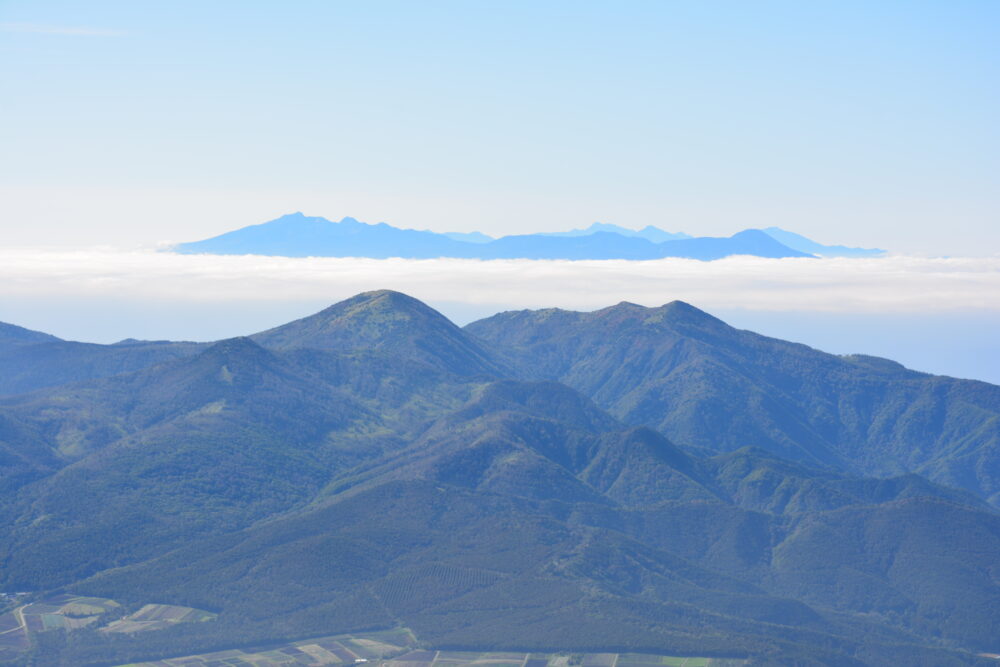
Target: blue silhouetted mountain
<point>650,233</point>
<point>469,237</point>
<point>607,245</point>
<point>801,243</point>
<point>297,235</point>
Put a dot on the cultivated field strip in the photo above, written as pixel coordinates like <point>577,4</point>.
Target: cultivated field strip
<point>158,617</point>
<point>71,612</point>
<point>67,612</point>
<point>395,648</point>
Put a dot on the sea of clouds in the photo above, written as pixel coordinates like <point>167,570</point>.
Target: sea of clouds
<point>939,315</point>
<point>901,284</point>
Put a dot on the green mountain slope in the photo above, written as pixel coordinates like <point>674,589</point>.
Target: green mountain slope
<point>390,323</point>
<point>12,335</point>
<point>230,436</point>
<point>708,385</point>
<point>43,363</point>
<point>375,466</point>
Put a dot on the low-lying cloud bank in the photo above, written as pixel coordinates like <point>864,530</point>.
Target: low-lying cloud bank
<point>900,284</point>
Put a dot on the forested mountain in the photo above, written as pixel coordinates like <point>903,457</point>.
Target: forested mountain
<point>386,322</point>
<point>705,384</point>
<point>375,466</point>
<point>12,336</point>
<point>297,235</point>
<point>51,362</point>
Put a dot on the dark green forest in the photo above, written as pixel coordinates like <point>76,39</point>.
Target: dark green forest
<point>633,479</point>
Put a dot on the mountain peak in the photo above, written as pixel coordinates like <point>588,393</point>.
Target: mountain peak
<point>751,234</point>
<point>298,216</point>
<point>760,243</point>
<point>674,309</point>
<point>626,305</point>
<point>388,322</point>
<point>679,307</point>
<point>395,306</point>
<point>392,296</point>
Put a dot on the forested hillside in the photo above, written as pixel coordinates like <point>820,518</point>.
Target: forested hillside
<point>627,480</point>
<point>707,385</point>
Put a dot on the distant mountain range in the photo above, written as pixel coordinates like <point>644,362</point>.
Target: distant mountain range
<point>297,235</point>
<point>650,233</point>
<point>641,479</point>
<point>802,244</point>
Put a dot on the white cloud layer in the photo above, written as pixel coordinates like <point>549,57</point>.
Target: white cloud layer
<point>895,284</point>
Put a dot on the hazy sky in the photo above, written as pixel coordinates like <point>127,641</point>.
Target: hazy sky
<point>873,123</point>
<point>868,123</point>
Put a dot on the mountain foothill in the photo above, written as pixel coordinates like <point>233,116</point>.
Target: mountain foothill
<point>630,479</point>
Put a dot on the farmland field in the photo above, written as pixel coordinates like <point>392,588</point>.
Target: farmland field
<point>8,622</point>
<point>424,658</point>
<point>644,660</point>
<point>70,612</point>
<point>59,611</point>
<point>158,617</point>
<point>396,649</point>
<point>13,637</point>
<point>335,650</point>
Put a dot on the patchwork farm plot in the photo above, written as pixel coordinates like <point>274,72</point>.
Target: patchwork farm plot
<point>471,659</point>
<point>65,611</point>
<point>70,612</point>
<point>157,617</point>
<point>370,648</point>
<point>13,635</point>
<point>641,660</point>
<point>60,611</point>
<point>396,649</point>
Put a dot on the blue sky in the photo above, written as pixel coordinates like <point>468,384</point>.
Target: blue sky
<point>127,124</point>
<point>868,123</point>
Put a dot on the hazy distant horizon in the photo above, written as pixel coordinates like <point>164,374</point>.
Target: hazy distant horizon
<point>934,315</point>
<point>861,124</point>
<point>856,123</point>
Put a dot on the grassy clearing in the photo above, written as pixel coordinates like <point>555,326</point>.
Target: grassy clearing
<point>158,617</point>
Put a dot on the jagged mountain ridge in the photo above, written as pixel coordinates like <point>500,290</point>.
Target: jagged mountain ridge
<point>649,232</point>
<point>297,235</point>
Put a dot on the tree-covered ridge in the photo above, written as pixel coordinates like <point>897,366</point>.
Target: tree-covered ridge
<point>707,385</point>
<point>374,466</point>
